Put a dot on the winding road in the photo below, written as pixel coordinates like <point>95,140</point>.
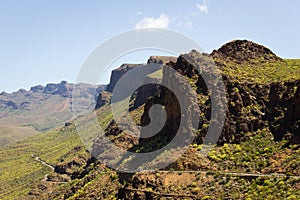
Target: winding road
<point>43,162</point>
<point>38,159</point>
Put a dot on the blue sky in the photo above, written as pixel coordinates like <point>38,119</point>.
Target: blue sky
<point>44,41</point>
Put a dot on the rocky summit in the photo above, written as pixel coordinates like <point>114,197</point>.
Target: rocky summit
<point>244,51</point>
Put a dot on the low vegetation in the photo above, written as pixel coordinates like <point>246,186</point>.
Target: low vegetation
<point>19,170</point>
<point>261,71</point>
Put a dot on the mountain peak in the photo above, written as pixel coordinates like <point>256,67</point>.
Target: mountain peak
<point>244,50</point>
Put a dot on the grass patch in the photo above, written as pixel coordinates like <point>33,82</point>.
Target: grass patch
<point>261,71</point>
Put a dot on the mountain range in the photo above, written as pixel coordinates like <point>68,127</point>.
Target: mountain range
<point>26,113</point>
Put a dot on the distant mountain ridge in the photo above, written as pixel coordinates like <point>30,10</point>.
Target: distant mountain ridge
<point>39,109</point>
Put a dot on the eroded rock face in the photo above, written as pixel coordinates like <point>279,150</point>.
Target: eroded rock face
<point>150,90</point>
<point>250,106</point>
<point>38,88</point>
<point>25,105</point>
<point>143,92</point>
<point>103,98</point>
<point>118,73</point>
<point>162,59</point>
<point>283,110</point>
<point>63,89</point>
<point>8,104</point>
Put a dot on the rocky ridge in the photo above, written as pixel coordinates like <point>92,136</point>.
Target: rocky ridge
<point>250,106</point>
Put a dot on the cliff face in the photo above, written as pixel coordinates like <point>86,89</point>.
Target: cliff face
<point>105,96</point>
<point>118,73</point>
<point>283,110</point>
<point>149,90</point>
<point>250,106</point>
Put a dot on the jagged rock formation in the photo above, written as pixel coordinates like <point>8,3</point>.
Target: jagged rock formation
<point>118,73</point>
<point>150,89</point>
<point>103,98</point>
<point>251,106</point>
<point>283,110</point>
<point>8,104</point>
<point>161,59</point>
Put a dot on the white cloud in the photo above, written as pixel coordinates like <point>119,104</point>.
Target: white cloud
<point>202,7</point>
<point>161,22</point>
<point>139,13</point>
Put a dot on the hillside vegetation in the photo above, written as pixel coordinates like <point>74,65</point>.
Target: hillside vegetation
<point>256,157</point>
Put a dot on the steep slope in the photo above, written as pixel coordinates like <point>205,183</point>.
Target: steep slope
<point>20,170</point>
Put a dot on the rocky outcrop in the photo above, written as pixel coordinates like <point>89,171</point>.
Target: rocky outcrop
<point>144,92</point>
<point>25,105</point>
<point>148,90</point>
<point>64,89</point>
<point>38,88</point>
<point>244,51</point>
<point>118,73</point>
<point>250,107</point>
<point>103,98</point>
<point>161,59</point>
<point>283,110</point>
<point>8,105</point>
